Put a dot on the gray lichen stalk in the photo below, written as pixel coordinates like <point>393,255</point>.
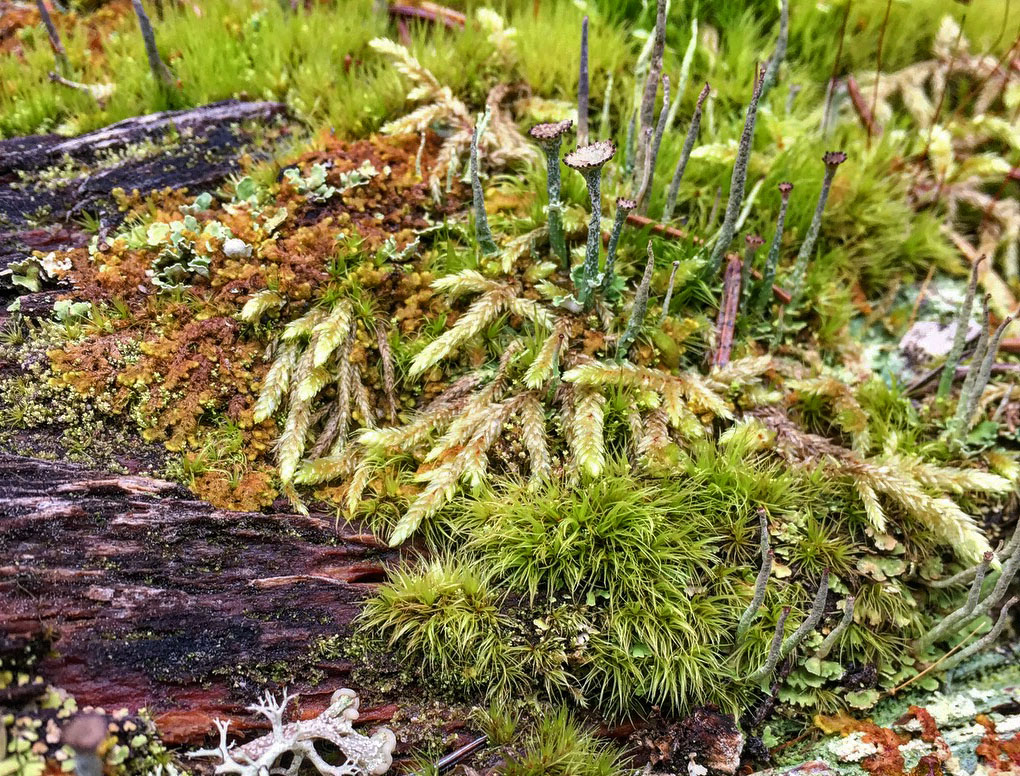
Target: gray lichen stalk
<point>762,581</point>
<point>589,160</point>
<point>660,128</point>
<point>832,161</point>
<point>961,323</point>
<point>640,308</point>
<point>737,182</point>
<point>582,87</point>
<point>772,71</point>
<point>647,114</point>
<point>685,156</point>
<point>550,137</point>
<point>623,207</point>
<point>483,235</point>
<point>761,299</point>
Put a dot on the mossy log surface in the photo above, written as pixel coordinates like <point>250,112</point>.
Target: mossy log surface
<point>152,599</point>
<point>48,182</point>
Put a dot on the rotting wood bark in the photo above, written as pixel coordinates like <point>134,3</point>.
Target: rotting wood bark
<point>153,599</point>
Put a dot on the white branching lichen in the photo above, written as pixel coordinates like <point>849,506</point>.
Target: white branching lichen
<point>365,755</point>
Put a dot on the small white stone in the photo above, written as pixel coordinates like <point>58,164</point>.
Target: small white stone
<point>235,248</point>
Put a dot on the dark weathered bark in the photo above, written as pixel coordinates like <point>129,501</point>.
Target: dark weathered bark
<point>152,599</point>
<point>34,152</point>
<point>41,198</point>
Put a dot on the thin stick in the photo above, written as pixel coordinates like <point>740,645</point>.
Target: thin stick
<point>878,63</point>
<point>830,86</point>
<point>945,88</point>
<point>159,69</point>
<point>59,53</point>
<point>863,111</point>
<point>727,319</point>
<point>934,665</point>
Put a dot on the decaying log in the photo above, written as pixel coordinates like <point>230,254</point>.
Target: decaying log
<point>47,182</point>
<point>152,599</point>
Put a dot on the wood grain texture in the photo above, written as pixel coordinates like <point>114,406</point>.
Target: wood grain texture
<point>152,599</point>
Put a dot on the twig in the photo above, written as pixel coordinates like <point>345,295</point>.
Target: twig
<point>59,53</point>
<point>863,111</point>
<point>434,13</point>
<point>726,321</point>
<point>159,69</point>
<point>878,62</point>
